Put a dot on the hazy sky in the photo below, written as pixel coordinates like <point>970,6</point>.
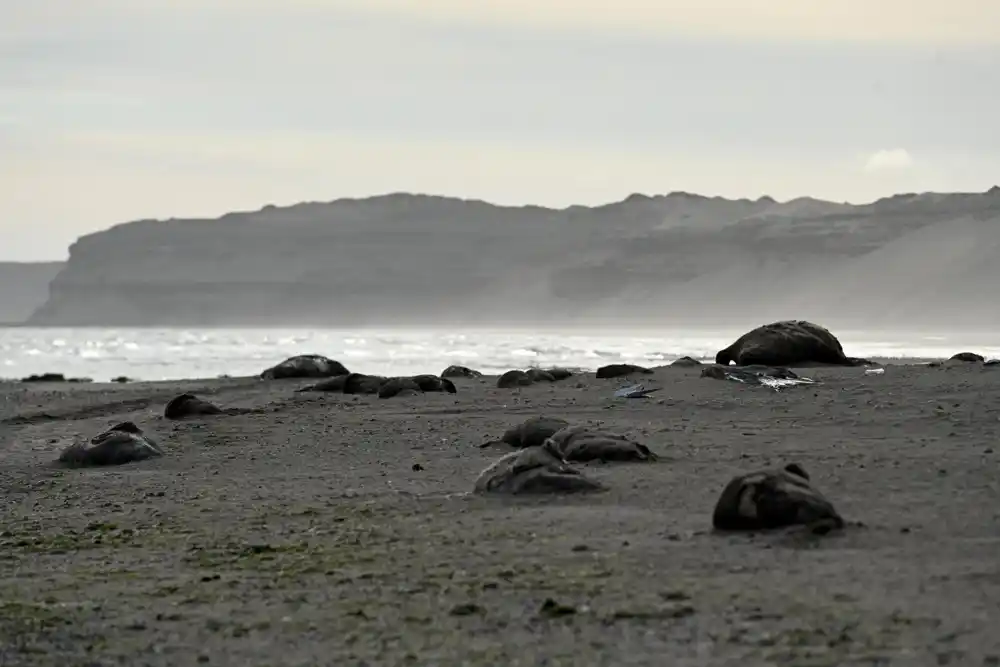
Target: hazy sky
<point>112,110</point>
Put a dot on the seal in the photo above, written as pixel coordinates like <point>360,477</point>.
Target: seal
<point>189,405</point>
<point>580,444</point>
<point>401,386</point>
<point>305,366</point>
<point>460,372</point>
<point>620,370</point>
<point>533,470</point>
<point>359,383</point>
<point>120,444</point>
<point>434,383</point>
<point>532,432</point>
<point>519,378</point>
<point>335,383</point>
<point>787,343</point>
<point>774,498</point>
<point>970,357</point>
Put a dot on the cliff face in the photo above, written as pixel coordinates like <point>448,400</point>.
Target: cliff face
<point>24,286</point>
<point>421,260</point>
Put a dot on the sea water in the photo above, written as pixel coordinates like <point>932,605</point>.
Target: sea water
<point>175,353</point>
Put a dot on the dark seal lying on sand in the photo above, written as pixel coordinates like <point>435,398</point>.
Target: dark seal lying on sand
<point>416,384</point>
<point>775,498</point>
<point>120,444</point>
<point>582,443</point>
<point>189,405</point>
<point>533,470</point>
<point>305,366</point>
<point>460,372</point>
<point>519,378</point>
<point>620,370</point>
<point>532,432</point>
<point>970,357</point>
<point>787,343</point>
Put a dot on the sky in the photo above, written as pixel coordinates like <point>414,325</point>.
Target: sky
<point>116,110</point>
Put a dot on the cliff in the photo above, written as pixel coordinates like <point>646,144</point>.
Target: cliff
<point>24,286</point>
<point>682,259</point>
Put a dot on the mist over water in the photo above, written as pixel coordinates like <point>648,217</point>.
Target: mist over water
<point>171,354</point>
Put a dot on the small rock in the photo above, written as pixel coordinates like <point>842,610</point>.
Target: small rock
<point>467,609</point>
<point>553,609</point>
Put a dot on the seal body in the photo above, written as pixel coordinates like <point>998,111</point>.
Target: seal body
<point>120,444</point>
<point>305,366</point>
<point>189,405</point>
<point>581,443</point>
<point>773,498</point>
<point>787,343</point>
<point>533,470</point>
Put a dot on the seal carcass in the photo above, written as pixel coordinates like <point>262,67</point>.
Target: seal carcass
<point>581,443</point>
<point>787,343</point>
<point>533,470</point>
<point>189,405</point>
<point>519,378</point>
<point>460,372</point>
<point>120,444</point>
<point>305,366</point>
<point>335,383</point>
<point>774,498</point>
<point>620,370</point>
<point>530,433</point>
<point>359,383</point>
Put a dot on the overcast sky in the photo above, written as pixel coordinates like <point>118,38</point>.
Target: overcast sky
<point>113,110</point>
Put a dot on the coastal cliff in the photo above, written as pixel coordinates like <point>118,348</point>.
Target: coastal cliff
<point>24,286</point>
<point>425,260</point>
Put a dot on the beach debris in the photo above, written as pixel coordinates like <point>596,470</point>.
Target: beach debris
<point>305,366</point>
<point>774,498</point>
<point>767,376</point>
<point>621,370</point>
<point>532,432</point>
<point>189,405</point>
<point>533,470</point>
<point>120,444</point>
<point>583,443</point>
<point>874,371</point>
<point>460,372</point>
<point>635,391</point>
<point>787,343</point>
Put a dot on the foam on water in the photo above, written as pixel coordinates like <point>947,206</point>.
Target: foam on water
<point>170,354</point>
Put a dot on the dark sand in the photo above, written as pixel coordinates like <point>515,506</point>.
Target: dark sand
<point>301,535</point>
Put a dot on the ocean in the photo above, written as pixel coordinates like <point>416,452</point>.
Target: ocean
<point>175,353</point>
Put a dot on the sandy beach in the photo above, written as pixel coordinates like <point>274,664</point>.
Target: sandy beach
<point>324,529</point>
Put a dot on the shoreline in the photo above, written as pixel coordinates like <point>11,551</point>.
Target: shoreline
<point>319,528</point>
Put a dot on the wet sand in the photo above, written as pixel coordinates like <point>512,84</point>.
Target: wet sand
<point>337,530</point>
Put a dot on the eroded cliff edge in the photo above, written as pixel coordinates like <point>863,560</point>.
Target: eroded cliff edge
<point>428,260</point>
<point>24,286</point>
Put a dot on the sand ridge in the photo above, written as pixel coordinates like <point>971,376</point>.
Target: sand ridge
<point>331,529</point>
